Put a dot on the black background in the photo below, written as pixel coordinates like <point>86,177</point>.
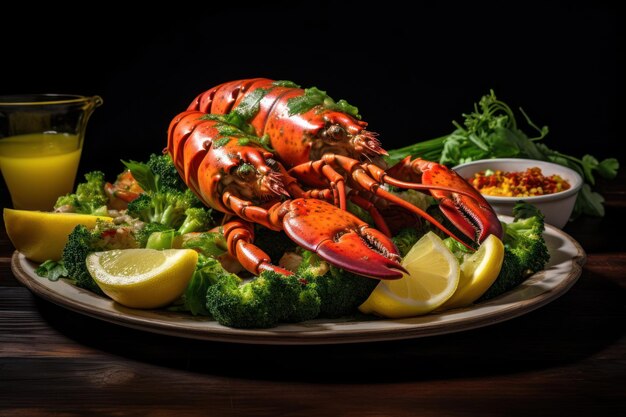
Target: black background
<point>410,70</point>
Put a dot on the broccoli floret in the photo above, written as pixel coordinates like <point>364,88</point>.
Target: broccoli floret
<point>208,272</point>
<point>208,243</point>
<point>142,235</point>
<point>340,292</point>
<point>197,219</point>
<point>405,240</point>
<point>157,235</point>
<point>262,302</point>
<point>83,241</point>
<point>525,250</point>
<point>524,238</point>
<point>80,243</point>
<point>164,170</point>
<point>510,276</point>
<point>89,197</point>
<point>459,250</point>
<point>166,199</point>
<point>165,207</point>
<point>305,300</point>
<point>158,174</point>
<point>167,239</point>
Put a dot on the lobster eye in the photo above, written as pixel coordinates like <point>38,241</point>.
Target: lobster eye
<point>246,171</point>
<point>336,133</point>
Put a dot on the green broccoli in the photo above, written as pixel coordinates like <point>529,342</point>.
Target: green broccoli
<point>340,292</point>
<point>511,275</point>
<point>167,239</point>
<point>89,197</point>
<point>524,238</point>
<point>197,219</point>
<point>166,198</point>
<point>194,300</point>
<point>459,250</point>
<point>405,239</point>
<point>209,244</point>
<point>525,250</point>
<point>83,241</point>
<point>164,170</point>
<point>165,207</point>
<point>158,174</point>
<point>143,234</point>
<point>157,235</point>
<point>262,302</point>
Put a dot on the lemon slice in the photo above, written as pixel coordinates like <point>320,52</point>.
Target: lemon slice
<point>42,235</point>
<point>143,278</point>
<point>434,276</point>
<point>478,272</point>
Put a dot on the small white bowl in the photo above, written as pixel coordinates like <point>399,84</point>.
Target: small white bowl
<point>557,208</point>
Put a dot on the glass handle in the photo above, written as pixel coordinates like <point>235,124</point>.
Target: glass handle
<point>97,101</point>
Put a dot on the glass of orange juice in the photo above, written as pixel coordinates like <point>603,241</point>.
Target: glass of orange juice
<point>41,139</point>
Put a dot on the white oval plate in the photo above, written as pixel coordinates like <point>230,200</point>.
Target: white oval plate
<point>566,260</point>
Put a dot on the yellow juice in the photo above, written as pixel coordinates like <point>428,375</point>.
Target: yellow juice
<point>39,167</point>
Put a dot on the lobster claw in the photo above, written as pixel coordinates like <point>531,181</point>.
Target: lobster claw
<point>353,252</point>
<point>469,212</point>
<point>342,239</point>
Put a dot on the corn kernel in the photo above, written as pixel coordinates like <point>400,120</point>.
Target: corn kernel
<point>530,183</point>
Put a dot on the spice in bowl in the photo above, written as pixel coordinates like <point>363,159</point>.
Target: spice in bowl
<point>529,183</point>
<point>550,187</point>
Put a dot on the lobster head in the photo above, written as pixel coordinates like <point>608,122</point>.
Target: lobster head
<point>248,171</point>
<point>344,135</point>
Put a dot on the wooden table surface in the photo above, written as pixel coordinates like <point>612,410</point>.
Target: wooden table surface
<point>566,358</point>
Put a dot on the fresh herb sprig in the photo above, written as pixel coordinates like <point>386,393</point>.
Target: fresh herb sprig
<point>314,97</point>
<point>491,131</point>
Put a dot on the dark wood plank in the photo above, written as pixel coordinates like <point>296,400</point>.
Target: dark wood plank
<point>134,389</point>
<point>6,276</point>
<point>6,250</point>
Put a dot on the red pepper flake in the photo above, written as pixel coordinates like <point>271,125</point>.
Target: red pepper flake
<point>108,233</point>
<point>529,183</point>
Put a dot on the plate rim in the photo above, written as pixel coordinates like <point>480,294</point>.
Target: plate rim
<point>399,329</point>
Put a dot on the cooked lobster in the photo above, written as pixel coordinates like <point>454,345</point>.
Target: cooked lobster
<point>325,145</point>
<point>231,172</point>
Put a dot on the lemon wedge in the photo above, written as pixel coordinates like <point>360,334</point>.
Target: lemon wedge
<point>42,235</point>
<point>143,278</point>
<point>478,272</point>
<point>434,277</point>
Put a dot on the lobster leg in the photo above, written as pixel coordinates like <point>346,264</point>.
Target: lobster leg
<point>336,235</point>
<point>368,206</point>
<point>318,173</point>
<point>459,201</point>
<point>239,236</point>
